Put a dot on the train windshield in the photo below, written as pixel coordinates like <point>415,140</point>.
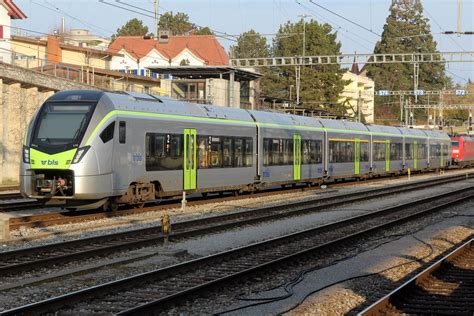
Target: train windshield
<point>62,125</point>
<point>455,143</point>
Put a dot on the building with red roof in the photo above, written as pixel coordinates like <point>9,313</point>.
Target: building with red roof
<point>138,53</point>
<point>8,11</point>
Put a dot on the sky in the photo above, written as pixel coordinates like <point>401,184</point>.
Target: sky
<point>264,16</point>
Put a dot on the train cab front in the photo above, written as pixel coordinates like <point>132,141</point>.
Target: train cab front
<point>52,147</point>
<point>456,149</point>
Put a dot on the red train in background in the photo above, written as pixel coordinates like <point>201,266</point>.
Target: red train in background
<point>462,150</point>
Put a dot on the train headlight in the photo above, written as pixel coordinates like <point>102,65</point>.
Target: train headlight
<point>80,153</point>
<point>26,154</point>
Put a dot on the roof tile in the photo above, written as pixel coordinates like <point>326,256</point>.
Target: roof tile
<point>205,47</point>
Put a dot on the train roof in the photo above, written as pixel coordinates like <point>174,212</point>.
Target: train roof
<point>343,125</point>
<point>165,105</point>
<point>436,134</point>
<point>384,129</point>
<point>285,119</point>
<point>412,132</point>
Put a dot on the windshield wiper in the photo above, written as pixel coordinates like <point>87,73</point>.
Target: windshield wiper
<point>76,134</point>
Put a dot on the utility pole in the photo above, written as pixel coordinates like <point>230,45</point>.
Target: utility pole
<point>298,68</point>
<point>459,17</point>
<point>155,18</point>
<point>416,72</point>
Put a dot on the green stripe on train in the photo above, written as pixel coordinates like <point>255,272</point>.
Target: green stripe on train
<point>226,121</point>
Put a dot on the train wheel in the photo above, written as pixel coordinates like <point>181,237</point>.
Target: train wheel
<point>204,194</point>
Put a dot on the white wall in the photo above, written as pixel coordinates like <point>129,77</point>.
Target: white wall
<point>5,20</point>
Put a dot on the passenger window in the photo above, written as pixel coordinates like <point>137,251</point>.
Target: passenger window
<point>239,153</point>
<point>364,152</point>
<point>108,133</point>
<point>248,147</point>
<point>122,132</point>
<point>203,152</point>
<point>228,152</point>
<point>164,152</point>
<point>215,153</point>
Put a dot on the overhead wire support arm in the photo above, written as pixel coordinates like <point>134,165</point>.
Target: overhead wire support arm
<point>347,59</point>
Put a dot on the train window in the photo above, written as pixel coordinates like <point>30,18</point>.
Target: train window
<point>122,132</point>
<point>108,133</point>
<point>311,151</point>
<point>164,152</point>
<point>175,145</point>
<point>306,151</point>
<point>203,152</point>
<point>409,151</point>
<point>455,143</point>
<point>228,152</point>
<point>239,153</point>
<point>379,151</point>
<point>396,151</point>
<point>266,152</point>
<point>215,153</point>
<point>364,152</point>
<point>248,149</point>
<point>275,150</point>
<point>341,151</point>
<point>287,152</point>
<point>422,151</point>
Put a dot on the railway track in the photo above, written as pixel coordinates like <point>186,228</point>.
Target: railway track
<point>153,290</point>
<point>9,188</point>
<point>59,218</point>
<point>19,205</point>
<point>446,287</point>
<point>10,196</point>
<point>54,254</point>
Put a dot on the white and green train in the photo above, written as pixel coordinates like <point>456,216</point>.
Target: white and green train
<point>93,149</point>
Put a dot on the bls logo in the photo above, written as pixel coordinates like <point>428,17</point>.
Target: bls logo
<point>50,162</point>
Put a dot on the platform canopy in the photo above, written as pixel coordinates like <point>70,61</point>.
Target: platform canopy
<point>204,72</point>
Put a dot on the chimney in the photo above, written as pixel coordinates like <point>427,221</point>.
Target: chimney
<point>53,50</point>
<point>164,36</point>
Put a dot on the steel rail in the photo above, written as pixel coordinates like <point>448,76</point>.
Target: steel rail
<point>19,205</point>
<point>146,292</point>
<point>53,254</point>
<point>444,287</point>
<point>10,196</point>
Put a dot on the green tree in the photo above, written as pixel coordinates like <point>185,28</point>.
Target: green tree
<point>405,31</point>
<point>250,45</point>
<point>179,24</point>
<point>133,27</point>
<point>203,31</point>
<point>321,84</point>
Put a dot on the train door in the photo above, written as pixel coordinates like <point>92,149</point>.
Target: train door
<point>387,155</point>
<point>415,154</point>
<point>441,157</point>
<point>189,163</point>
<point>357,156</point>
<point>296,157</point>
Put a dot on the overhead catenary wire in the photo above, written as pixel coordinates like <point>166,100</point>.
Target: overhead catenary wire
<point>344,18</point>
<point>339,27</point>
<point>55,8</point>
